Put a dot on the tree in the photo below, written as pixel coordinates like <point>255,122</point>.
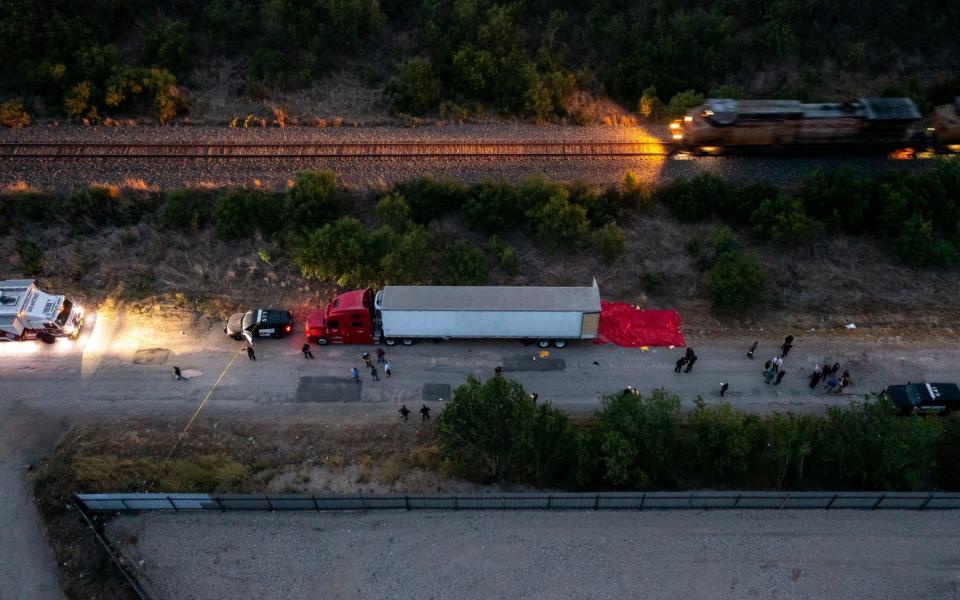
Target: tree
<point>394,212</point>
<point>491,205</point>
<point>339,251</point>
<point>408,261</point>
<point>610,243</point>
<point>417,89</point>
<point>781,219</point>
<point>735,282</point>
<point>313,200</point>
<point>462,263</point>
<point>559,223</point>
<point>486,430</point>
<point>917,245</point>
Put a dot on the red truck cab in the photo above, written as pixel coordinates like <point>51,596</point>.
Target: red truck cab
<point>347,319</point>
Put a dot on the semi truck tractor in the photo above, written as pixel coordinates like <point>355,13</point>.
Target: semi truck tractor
<point>405,314</point>
<point>26,313</point>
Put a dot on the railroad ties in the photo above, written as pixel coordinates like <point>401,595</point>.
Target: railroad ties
<point>333,150</point>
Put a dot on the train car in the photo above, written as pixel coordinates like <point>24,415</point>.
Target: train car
<point>866,124</point>
<point>944,128</point>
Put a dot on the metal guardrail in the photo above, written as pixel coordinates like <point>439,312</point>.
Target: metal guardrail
<point>524,501</point>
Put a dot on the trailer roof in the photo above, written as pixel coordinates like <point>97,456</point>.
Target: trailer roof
<point>13,295</point>
<point>514,298</point>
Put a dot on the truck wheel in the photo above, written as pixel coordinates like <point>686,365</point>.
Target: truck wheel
<point>390,342</point>
<point>321,341</point>
<point>46,338</point>
<point>543,343</point>
<point>407,341</point>
<point>559,343</point>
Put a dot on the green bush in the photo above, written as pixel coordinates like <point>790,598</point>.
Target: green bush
<point>429,198</point>
<point>408,260</point>
<point>559,224</point>
<point>610,243</point>
<point>722,443</point>
<point>602,208</point>
<point>394,212</point>
<point>12,114</point>
<point>697,198</point>
<point>237,214</point>
<point>314,200</point>
<point>505,255</point>
<point>30,258</point>
<point>462,263</point>
<point>168,45</point>
<point>635,193</point>
<point>416,89</point>
<point>781,219</point>
<point>735,282</point>
<point>186,209</point>
<point>917,245</point>
<point>491,206</point>
<point>340,251</point>
<point>948,454</point>
<point>683,101</point>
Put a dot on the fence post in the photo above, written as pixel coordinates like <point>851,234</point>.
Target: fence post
<point>832,500</point>
<point>219,504</point>
<point>882,498</point>
<point>315,505</point>
<point>596,502</point>
<point>406,501</point>
<point>784,501</point>
<point>643,500</point>
<point>172,504</point>
<point>549,501</point>
<point>926,502</point>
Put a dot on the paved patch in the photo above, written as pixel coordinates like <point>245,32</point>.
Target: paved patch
<point>151,356</point>
<point>532,362</point>
<point>328,389</point>
<point>436,392</point>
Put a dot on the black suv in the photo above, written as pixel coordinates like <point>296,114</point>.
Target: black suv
<point>939,398</point>
<point>261,322</point>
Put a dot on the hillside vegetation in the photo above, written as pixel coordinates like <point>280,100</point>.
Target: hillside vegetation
<point>88,59</point>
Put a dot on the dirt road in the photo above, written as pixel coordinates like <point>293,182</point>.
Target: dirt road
<point>761,554</point>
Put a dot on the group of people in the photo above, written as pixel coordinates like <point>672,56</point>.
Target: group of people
<point>828,374</point>
<point>374,374</point>
<point>405,413</point>
<point>687,359</point>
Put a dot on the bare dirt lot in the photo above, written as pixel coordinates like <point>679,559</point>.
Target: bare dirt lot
<point>466,555</point>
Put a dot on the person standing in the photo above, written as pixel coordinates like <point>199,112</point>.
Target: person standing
<point>689,353</point>
<point>404,413</point>
<point>723,388</point>
<point>693,359</point>
<point>373,373</point>
<point>834,369</point>
<point>780,375</point>
<point>498,371</point>
<point>177,375</point>
<point>831,384</point>
<point>775,362</point>
<point>787,344</point>
<point>815,377</point>
<point>534,396</point>
<point>366,358</point>
<point>768,374</point>
<point>386,369</point>
<point>425,413</point>
<point>679,364</point>
<point>355,373</point>
<point>306,351</point>
<point>251,354</point>
<point>380,355</point>
<point>753,347</point>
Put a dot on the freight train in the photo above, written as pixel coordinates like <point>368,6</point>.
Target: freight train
<point>723,125</point>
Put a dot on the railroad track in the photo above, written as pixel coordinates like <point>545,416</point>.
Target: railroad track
<point>333,150</point>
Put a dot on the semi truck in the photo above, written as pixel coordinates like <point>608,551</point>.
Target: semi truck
<point>26,313</point>
<point>406,314</point>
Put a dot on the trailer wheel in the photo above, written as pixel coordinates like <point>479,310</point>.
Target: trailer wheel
<point>322,341</point>
<point>390,342</point>
<point>559,343</point>
<point>407,341</point>
<point>543,343</point>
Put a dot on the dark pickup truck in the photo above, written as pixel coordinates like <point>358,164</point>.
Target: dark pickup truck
<point>939,398</point>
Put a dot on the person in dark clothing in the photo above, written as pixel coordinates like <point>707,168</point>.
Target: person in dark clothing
<point>787,344</point>
<point>404,413</point>
<point>723,388</point>
<point>689,353</point>
<point>306,351</point>
<point>534,396</point>
<point>753,347</point>
<point>498,371</point>
<point>373,373</point>
<point>366,358</point>
<point>826,371</point>
<point>815,378</point>
<point>177,374</point>
<point>679,365</point>
<point>380,355</point>
<point>251,354</point>
<point>425,413</point>
<point>690,362</point>
<point>846,375</point>
<point>834,369</point>
<point>780,375</point>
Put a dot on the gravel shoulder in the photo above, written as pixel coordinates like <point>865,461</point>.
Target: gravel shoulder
<point>737,554</point>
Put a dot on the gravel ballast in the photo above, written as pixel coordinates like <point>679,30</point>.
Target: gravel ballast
<point>548,555</point>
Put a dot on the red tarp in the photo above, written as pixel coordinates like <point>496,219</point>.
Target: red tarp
<point>624,325</point>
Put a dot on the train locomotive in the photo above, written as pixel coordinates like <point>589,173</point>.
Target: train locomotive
<point>724,125</point>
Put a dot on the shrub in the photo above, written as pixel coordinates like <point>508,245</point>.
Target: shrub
<point>559,223</point>
<point>168,46</point>
<point>635,193</point>
<point>843,199</point>
<point>697,198</point>
<point>233,218</point>
<point>30,258</point>
<point>12,114</point>
<point>491,206</point>
<point>781,219</point>
<point>683,101</point>
<point>650,106</point>
<point>96,206</point>
<point>339,252</point>
<point>917,245</point>
<point>430,198</point>
<point>185,209</point>
<point>610,243</point>
<point>416,89</point>
<point>408,260</point>
<point>313,200</point>
<point>723,443</point>
<point>601,208</point>
<point>462,263</point>
<point>393,212</point>
<point>505,255</point>
<point>735,282</point>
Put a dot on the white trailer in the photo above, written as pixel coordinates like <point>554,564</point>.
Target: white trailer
<point>545,314</point>
<point>26,313</point>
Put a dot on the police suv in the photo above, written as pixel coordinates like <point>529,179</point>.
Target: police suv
<point>261,322</point>
<point>937,398</point>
